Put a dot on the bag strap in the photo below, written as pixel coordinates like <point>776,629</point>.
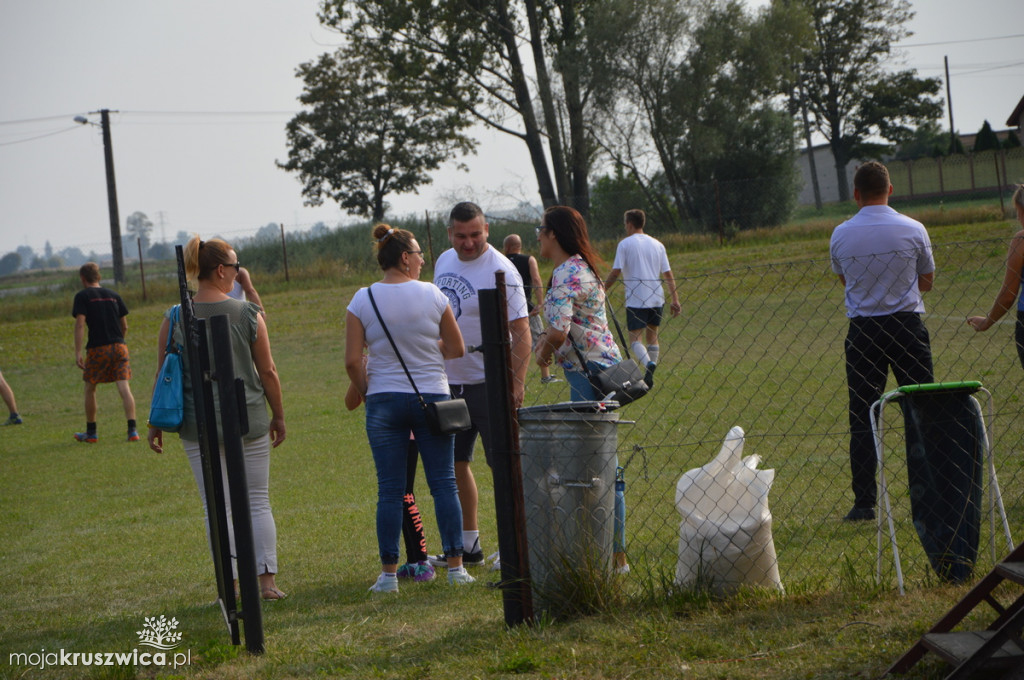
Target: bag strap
<point>369,291</point>
<point>171,345</point>
<point>618,328</point>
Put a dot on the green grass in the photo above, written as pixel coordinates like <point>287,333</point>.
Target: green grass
<point>98,537</point>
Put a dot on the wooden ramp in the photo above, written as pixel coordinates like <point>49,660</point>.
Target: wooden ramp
<point>999,646</point>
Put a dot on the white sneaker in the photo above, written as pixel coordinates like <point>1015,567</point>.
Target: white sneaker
<point>495,560</point>
<point>385,584</point>
<point>459,576</point>
<point>624,569</point>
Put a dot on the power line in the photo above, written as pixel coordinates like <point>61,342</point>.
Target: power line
<point>968,40</point>
<point>48,134</point>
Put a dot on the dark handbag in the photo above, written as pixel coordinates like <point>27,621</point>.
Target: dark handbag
<point>623,382</point>
<point>167,408</point>
<point>447,417</point>
<point>443,417</point>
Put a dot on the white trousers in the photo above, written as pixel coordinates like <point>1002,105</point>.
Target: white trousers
<point>257,476</point>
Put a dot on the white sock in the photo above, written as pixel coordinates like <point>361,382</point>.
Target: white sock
<point>455,570</point>
<point>640,353</point>
<point>653,351</point>
<point>470,541</point>
<point>387,575</point>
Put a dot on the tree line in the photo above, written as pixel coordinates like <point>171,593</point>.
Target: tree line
<point>686,104</point>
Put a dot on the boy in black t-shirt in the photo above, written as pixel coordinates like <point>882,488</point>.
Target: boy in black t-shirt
<point>102,312</point>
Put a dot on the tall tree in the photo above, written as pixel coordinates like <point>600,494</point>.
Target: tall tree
<point>529,68</point>
<point>846,86</point>
<point>365,134</point>
<point>986,139</point>
<point>700,115</point>
<point>9,263</point>
<point>138,226</point>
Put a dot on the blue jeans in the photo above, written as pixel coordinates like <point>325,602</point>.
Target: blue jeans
<point>390,417</point>
<point>580,388</point>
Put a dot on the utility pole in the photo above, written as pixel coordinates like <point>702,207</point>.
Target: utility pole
<point>949,107</point>
<point>115,219</point>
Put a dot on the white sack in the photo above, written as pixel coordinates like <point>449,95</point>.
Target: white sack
<point>725,537</point>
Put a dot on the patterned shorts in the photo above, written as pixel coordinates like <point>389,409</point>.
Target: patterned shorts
<point>106,364</point>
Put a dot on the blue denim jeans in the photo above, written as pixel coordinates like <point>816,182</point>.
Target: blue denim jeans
<point>390,417</point>
<point>580,388</point>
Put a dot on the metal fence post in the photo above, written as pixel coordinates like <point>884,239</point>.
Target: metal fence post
<point>504,447</point>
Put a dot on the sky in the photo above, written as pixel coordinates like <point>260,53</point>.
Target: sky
<point>200,92</point>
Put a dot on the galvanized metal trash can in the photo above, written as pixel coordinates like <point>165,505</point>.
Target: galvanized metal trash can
<point>568,454</point>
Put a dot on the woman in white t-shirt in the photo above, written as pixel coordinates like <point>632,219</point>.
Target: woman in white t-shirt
<point>423,326</point>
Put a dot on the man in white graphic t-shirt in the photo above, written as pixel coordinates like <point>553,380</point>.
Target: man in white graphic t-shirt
<point>461,272</point>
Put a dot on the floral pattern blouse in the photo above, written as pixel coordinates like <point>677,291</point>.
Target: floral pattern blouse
<point>575,302</point>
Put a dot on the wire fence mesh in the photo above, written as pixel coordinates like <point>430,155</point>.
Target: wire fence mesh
<point>762,347</point>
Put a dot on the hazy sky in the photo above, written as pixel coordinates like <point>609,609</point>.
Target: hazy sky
<point>204,90</point>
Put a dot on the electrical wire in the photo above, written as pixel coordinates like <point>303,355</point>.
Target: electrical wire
<point>48,134</point>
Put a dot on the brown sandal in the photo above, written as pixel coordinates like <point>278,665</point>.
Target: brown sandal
<point>273,594</point>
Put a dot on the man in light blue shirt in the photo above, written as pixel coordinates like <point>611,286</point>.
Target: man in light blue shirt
<point>884,261</point>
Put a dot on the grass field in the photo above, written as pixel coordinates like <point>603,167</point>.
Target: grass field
<point>99,537</point>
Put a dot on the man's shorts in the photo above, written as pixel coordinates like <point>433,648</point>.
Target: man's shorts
<point>536,328</point>
<point>476,400</point>
<point>107,364</point>
<point>642,317</point>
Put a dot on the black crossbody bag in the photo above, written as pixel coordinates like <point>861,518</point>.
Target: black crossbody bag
<point>443,417</point>
<point>623,382</point>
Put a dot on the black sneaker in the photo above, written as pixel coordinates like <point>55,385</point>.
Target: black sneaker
<point>649,374</point>
<point>859,514</point>
<point>473,559</point>
<point>469,559</point>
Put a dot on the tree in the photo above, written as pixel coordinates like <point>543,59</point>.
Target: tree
<point>138,226</point>
<point>528,68</point>
<point>986,139</point>
<point>844,83</point>
<point>160,251</point>
<point>700,93</point>
<point>27,255</point>
<point>268,232</point>
<point>366,135</point>
<point>9,263</point>
<point>1012,141</point>
<point>73,257</point>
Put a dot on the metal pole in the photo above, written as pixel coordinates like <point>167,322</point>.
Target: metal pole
<point>232,402</point>
<point>115,219</point>
<point>284,253</point>
<point>949,107</point>
<point>510,506</point>
<point>142,268</point>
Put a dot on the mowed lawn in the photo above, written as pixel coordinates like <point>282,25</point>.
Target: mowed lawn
<point>99,537</point>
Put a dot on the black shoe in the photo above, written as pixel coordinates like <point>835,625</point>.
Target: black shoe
<point>469,559</point>
<point>473,559</point>
<point>859,514</point>
<point>649,374</point>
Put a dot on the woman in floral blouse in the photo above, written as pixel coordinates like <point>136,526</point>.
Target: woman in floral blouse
<point>574,306</point>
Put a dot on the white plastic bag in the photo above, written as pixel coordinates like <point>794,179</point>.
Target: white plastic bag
<point>725,538</point>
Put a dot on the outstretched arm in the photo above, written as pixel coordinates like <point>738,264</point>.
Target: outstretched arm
<point>1008,292</point>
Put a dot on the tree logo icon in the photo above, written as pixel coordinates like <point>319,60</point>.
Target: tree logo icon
<point>159,633</point>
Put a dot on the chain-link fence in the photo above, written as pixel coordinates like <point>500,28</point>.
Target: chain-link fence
<point>762,347</point>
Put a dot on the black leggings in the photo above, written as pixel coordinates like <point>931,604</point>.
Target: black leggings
<point>412,523</point>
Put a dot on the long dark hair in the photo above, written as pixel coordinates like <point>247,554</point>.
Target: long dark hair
<point>570,230</point>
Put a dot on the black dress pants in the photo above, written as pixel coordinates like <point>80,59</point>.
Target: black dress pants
<point>874,344</point>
